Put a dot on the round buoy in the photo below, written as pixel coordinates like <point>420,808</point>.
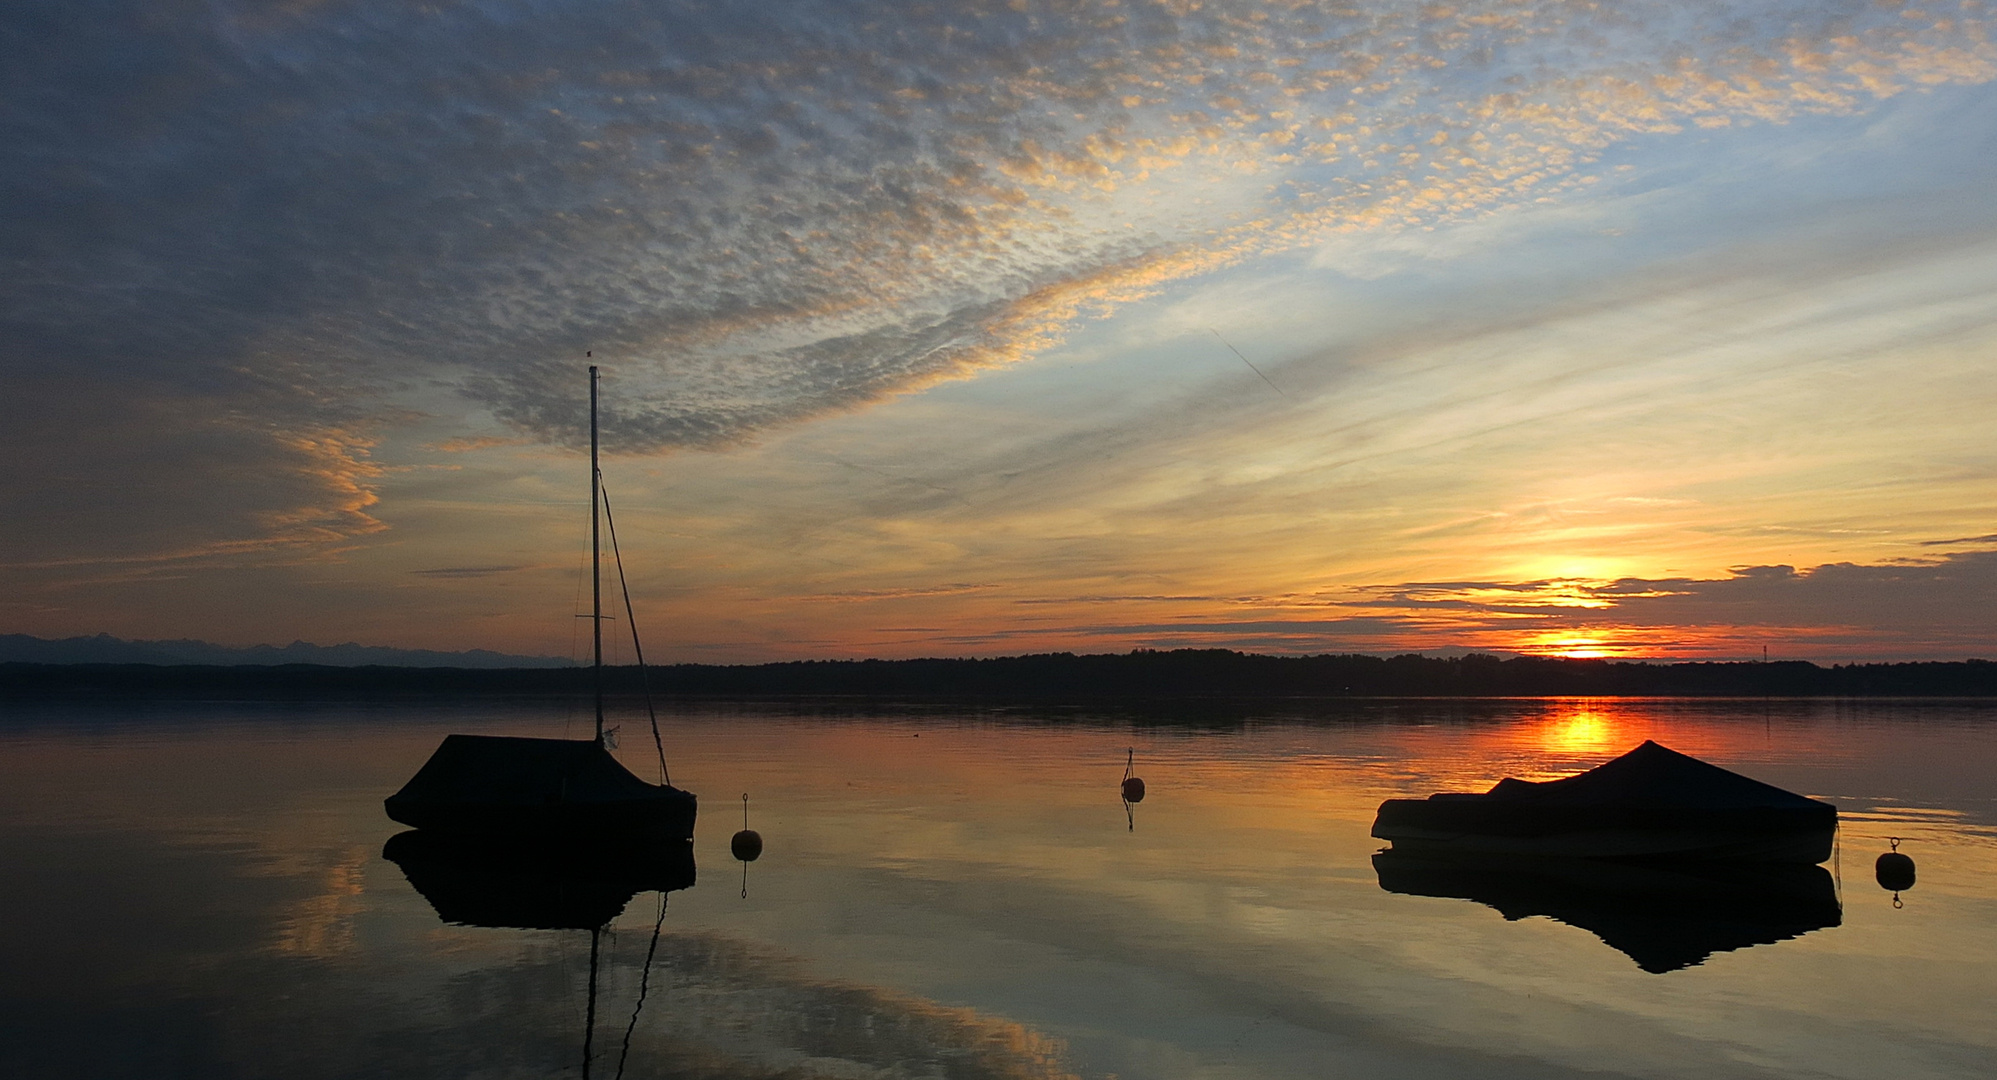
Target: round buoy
<point>1133,787</point>
<point>1894,871</point>
<point>747,844</point>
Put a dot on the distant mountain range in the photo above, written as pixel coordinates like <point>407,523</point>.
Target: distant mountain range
<point>105,649</point>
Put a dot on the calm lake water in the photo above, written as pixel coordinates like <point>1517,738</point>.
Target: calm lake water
<point>199,891</point>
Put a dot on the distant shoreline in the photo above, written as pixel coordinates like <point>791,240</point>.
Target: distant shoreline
<point>1178,674</point>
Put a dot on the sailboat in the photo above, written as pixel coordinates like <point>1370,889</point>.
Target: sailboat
<point>506,789</point>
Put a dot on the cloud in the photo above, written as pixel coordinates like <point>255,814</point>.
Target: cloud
<point>148,478</point>
<point>1910,608</point>
<point>264,238</point>
<point>769,213</point>
<point>466,571</point>
<point>863,595</point>
<point>1989,538</point>
<point>1917,609</point>
<point>470,444</point>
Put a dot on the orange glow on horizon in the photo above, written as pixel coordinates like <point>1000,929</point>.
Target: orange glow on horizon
<point>1629,642</point>
<point>1574,645</point>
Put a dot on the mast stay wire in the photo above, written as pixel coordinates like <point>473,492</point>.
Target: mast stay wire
<point>631,619</point>
<point>644,984</point>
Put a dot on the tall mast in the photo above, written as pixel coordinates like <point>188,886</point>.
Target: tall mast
<point>595,560</point>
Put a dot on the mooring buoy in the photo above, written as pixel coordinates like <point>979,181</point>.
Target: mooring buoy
<point>747,844</point>
<point>1894,871</point>
<point>1133,787</point>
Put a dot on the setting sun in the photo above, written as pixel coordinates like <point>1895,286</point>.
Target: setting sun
<point>1572,645</point>
<point>1581,648</point>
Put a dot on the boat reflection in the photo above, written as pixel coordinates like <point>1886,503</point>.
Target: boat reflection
<point>475,882</point>
<point>1663,915</point>
<point>740,1012</point>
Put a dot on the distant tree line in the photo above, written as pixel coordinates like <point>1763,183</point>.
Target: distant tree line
<point>1143,674</point>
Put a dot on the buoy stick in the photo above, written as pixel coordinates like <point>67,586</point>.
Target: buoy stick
<point>1894,871</point>
<point>1132,787</point>
<point>746,845</point>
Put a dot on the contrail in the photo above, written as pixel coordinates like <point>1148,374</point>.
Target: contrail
<point>1251,367</point>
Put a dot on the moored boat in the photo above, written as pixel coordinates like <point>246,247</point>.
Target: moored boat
<point>535,790</point>
<point>1652,802</point>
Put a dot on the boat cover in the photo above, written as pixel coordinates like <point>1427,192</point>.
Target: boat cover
<point>500,770</point>
<point>1650,776</point>
<point>1650,802</point>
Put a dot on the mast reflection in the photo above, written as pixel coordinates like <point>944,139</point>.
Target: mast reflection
<point>479,881</point>
<point>1663,915</point>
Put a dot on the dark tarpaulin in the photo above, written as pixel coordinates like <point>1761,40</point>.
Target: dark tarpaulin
<point>1650,802</point>
<point>535,787</point>
<point>532,772</point>
<point>1650,775</point>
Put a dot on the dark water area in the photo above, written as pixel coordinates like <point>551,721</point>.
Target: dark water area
<point>201,890</point>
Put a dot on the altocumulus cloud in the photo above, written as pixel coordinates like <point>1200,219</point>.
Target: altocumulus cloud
<point>279,216</point>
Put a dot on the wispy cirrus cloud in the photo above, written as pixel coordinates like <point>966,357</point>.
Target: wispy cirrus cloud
<point>459,572</point>
<point>917,591</point>
<point>103,472</point>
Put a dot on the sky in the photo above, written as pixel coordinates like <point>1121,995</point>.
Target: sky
<point>1638,329</point>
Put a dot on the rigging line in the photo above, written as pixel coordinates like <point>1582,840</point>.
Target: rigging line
<point>1837,861</point>
<point>644,984</point>
<point>1245,360</point>
<point>644,677</point>
<point>589,1030</point>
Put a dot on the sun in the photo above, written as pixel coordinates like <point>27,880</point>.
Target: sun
<point>1576,647</point>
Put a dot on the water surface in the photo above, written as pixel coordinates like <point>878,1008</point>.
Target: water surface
<point>199,890</point>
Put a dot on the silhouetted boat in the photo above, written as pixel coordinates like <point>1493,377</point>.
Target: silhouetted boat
<point>1663,915</point>
<point>514,786</point>
<point>1651,802</point>
<point>540,789</point>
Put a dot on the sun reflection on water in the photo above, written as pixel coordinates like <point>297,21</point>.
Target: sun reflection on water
<point>1586,731</point>
<point>1571,735</point>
